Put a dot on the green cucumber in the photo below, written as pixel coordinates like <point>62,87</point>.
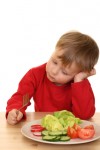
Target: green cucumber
<point>55,132</point>
<point>64,138</point>
<point>64,132</point>
<point>57,138</point>
<point>54,136</point>
<point>48,138</point>
<point>45,132</point>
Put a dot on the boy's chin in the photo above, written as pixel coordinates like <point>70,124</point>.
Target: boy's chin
<point>58,84</point>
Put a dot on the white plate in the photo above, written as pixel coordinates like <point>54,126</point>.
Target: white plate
<point>25,130</point>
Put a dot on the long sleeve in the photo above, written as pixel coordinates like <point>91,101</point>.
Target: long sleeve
<point>83,101</point>
<point>26,86</point>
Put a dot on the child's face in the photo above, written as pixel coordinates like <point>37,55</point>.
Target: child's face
<point>59,74</point>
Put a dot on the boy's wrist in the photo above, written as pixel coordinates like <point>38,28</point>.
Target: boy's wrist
<point>78,80</point>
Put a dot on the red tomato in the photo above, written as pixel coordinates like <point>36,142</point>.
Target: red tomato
<point>86,133</point>
<point>76,127</point>
<point>89,127</point>
<point>72,133</point>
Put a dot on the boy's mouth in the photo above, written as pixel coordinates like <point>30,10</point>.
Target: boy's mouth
<point>50,77</point>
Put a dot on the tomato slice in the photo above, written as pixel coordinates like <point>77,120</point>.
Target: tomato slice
<point>72,133</point>
<point>76,127</point>
<point>86,133</point>
<point>89,127</point>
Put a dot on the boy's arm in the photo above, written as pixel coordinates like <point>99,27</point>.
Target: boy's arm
<point>83,101</point>
<point>26,86</point>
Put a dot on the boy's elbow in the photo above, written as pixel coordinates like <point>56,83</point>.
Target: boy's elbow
<point>85,115</point>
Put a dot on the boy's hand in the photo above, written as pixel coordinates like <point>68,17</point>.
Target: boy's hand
<point>83,75</point>
<point>14,116</point>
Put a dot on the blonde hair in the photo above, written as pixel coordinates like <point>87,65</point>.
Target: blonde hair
<point>79,48</point>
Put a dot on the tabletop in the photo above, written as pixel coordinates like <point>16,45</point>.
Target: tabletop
<point>11,137</point>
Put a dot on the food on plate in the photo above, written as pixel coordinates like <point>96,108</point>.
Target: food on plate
<point>62,126</point>
<point>37,128</point>
<point>60,120</point>
<point>84,133</point>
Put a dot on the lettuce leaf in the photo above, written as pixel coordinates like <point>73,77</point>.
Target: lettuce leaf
<point>60,120</point>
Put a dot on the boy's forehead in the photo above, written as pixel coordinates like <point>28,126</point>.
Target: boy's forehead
<point>73,68</point>
<point>58,53</point>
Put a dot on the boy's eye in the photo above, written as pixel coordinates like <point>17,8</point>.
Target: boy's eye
<point>55,62</point>
<point>64,73</point>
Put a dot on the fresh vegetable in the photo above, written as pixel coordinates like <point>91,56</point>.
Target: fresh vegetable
<point>62,126</point>
<point>60,120</point>
<point>55,138</point>
<point>62,114</point>
<point>51,123</point>
<point>37,128</point>
<point>76,127</point>
<point>64,138</point>
<point>37,133</point>
<point>54,135</point>
<point>89,127</point>
<point>72,133</point>
<point>45,132</point>
<point>66,118</point>
<point>86,132</point>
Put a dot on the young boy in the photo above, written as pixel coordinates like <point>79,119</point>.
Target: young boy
<point>61,83</point>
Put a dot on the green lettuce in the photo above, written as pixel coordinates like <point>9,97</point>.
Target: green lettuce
<point>51,123</point>
<point>60,120</point>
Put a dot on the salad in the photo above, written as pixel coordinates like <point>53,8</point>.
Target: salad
<point>62,126</point>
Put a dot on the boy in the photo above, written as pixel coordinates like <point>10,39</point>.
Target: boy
<point>61,83</point>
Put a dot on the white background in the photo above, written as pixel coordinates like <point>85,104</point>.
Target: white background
<point>29,30</point>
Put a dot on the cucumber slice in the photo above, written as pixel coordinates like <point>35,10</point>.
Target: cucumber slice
<point>57,138</point>
<point>49,138</point>
<point>45,132</point>
<point>64,132</point>
<point>55,133</point>
<point>64,138</point>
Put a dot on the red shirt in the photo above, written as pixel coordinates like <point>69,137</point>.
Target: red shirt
<point>48,97</point>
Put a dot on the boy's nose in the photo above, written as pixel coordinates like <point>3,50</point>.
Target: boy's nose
<point>55,71</point>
